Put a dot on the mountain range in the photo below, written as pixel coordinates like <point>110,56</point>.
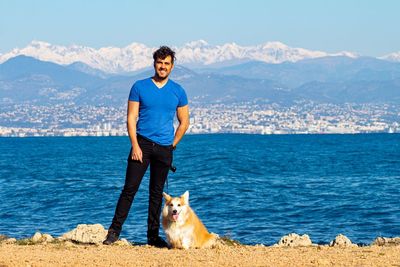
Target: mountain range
<point>195,54</point>
<point>329,79</point>
<point>137,56</point>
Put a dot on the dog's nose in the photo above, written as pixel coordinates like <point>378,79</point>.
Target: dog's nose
<point>174,211</point>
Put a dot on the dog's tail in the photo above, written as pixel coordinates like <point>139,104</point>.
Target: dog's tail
<point>212,242</point>
<point>226,241</point>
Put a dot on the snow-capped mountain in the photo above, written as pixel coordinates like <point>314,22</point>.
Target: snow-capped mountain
<point>108,59</point>
<point>137,56</point>
<point>392,57</point>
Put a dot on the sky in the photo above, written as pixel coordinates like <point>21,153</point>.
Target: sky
<point>367,27</point>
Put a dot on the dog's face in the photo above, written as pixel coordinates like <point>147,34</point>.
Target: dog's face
<point>175,208</point>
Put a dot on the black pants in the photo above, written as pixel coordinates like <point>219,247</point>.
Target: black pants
<point>160,159</point>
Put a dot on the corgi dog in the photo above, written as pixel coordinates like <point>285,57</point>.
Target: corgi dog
<point>182,226</point>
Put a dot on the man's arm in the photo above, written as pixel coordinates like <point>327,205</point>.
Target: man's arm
<point>132,115</point>
<point>182,114</point>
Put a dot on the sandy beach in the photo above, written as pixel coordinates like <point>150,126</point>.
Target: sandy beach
<point>69,254</point>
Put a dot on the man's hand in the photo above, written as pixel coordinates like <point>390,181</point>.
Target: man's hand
<point>137,153</point>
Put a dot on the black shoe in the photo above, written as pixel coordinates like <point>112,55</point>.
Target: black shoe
<point>157,242</point>
<point>111,238</point>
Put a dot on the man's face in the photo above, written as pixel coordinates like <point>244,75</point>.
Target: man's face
<point>163,67</point>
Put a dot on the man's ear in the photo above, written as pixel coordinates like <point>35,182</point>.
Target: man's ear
<point>167,197</point>
<point>185,197</point>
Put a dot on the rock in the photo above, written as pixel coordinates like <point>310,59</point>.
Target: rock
<point>37,237</point>
<point>9,241</point>
<point>47,238</point>
<point>386,241</point>
<point>341,241</point>
<point>122,242</point>
<point>86,234</point>
<point>294,240</point>
<point>69,244</point>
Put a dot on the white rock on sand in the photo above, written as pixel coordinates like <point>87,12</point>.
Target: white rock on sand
<point>122,242</point>
<point>39,238</point>
<point>341,241</point>
<point>47,238</point>
<point>386,241</point>
<point>86,234</point>
<point>294,240</point>
<point>36,237</point>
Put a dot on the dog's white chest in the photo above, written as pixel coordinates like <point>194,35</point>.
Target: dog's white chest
<point>180,236</point>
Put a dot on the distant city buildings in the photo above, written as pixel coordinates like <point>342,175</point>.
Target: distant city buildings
<point>251,118</point>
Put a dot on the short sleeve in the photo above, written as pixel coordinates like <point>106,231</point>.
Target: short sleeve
<point>134,94</point>
<point>183,101</point>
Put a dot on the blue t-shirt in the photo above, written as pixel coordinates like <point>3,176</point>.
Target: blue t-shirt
<point>157,109</point>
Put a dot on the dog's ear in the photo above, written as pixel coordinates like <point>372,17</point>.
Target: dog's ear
<point>167,197</point>
<point>185,197</point>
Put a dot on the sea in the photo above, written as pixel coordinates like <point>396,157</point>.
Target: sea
<point>251,188</point>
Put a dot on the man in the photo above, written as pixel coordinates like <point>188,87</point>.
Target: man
<point>152,105</point>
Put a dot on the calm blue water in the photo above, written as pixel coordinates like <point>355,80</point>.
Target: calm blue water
<point>252,188</point>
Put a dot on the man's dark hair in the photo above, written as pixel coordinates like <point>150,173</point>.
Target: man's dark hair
<point>163,52</point>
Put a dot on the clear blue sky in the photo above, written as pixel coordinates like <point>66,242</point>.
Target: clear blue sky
<point>368,27</point>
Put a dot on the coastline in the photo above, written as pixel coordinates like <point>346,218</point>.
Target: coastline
<point>83,246</point>
<point>70,254</point>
